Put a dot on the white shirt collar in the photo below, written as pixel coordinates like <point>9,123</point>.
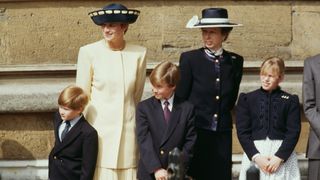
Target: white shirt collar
<point>170,100</point>
<point>217,52</point>
<point>72,123</point>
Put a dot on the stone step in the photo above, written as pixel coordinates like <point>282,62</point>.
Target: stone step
<point>38,169</point>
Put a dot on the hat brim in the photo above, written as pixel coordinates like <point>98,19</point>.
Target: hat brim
<point>101,17</point>
<point>214,25</point>
<point>195,22</point>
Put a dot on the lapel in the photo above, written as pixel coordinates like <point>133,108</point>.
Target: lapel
<point>317,66</point>
<point>174,119</point>
<point>57,124</point>
<point>206,61</point>
<point>226,57</point>
<point>316,78</point>
<point>72,134</point>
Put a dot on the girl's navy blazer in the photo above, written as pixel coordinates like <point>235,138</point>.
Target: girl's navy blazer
<point>275,115</point>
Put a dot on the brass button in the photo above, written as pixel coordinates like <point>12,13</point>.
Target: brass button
<point>215,115</point>
<point>161,152</point>
<point>217,97</point>
<point>54,157</point>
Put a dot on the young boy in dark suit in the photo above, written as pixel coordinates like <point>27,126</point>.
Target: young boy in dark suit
<point>164,122</point>
<point>74,154</point>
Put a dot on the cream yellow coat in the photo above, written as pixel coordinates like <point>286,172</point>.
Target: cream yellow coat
<point>114,81</point>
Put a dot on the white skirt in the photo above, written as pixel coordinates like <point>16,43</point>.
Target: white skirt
<point>287,171</point>
<point>115,174</point>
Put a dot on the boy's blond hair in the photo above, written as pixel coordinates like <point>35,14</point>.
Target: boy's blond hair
<point>165,72</point>
<point>73,97</point>
<point>275,64</point>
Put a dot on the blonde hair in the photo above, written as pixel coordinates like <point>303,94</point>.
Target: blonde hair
<point>165,72</point>
<point>73,97</point>
<point>275,64</point>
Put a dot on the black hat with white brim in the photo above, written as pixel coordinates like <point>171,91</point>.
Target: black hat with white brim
<point>211,17</point>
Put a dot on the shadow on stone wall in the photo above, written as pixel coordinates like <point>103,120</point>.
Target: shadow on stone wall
<point>26,136</point>
<point>12,150</point>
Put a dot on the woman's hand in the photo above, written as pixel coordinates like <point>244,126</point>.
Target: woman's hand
<point>274,164</point>
<point>161,174</point>
<point>262,162</point>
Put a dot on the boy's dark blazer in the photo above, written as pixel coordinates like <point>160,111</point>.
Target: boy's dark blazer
<point>156,138</point>
<point>75,157</point>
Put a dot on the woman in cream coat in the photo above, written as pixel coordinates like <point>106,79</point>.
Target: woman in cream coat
<point>113,73</point>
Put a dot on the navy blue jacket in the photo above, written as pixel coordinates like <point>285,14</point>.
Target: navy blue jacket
<point>276,115</point>
<point>212,86</point>
<point>75,157</point>
<point>156,138</point>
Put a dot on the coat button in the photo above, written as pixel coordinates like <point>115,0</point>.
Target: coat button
<point>217,97</point>
<point>217,79</point>
<point>54,157</point>
<point>217,60</point>
<point>215,115</point>
<point>161,152</point>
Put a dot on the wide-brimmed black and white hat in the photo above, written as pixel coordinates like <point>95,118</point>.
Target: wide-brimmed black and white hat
<point>211,17</point>
<point>114,13</point>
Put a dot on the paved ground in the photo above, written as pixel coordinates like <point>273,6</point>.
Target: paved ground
<point>302,178</point>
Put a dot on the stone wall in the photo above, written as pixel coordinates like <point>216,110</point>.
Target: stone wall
<point>40,39</point>
<point>51,32</point>
<point>26,136</point>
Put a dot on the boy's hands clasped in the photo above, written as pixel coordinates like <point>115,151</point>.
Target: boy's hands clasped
<point>268,164</point>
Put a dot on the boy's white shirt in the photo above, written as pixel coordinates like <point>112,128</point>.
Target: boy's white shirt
<point>170,100</point>
<point>72,123</point>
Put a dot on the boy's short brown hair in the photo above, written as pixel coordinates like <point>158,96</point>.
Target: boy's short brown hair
<point>165,72</point>
<point>73,97</point>
<point>275,64</point>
